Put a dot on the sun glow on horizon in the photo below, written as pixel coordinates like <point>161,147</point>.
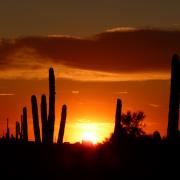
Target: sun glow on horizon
<point>89,132</point>
<point>90,137</point>
<point>85,130</point>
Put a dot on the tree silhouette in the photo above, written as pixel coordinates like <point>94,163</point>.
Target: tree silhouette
<point>132,123</point>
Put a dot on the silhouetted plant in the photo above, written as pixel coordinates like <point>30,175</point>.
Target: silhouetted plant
<point>17,130</point>
<point>51,117</point>
<point>132,123</point>
<point>12,138</point>
<point>44,118</point>
<point>7,131</point>
<point>47,123</point>
<point>25,125</point>
<point>172,131</point>
<point>21,128</point>
<point>117,128</point>
<point>35,119</point>
<point>156,136</point>
<point>62,124</point>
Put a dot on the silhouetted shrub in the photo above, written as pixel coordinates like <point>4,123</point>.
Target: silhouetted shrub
<point>132,123</point>
<point>156,136</point>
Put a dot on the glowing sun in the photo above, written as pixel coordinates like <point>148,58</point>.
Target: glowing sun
<point>90,136</point>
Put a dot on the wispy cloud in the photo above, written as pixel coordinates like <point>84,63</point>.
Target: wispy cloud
<point>7,94</point>
<point>122,92</point>
<point>89,75</point>
<point>77,74</point>
<point>75,92</point>
<point>64,36</point>
<point>122,29</point>
<point>154,105</point>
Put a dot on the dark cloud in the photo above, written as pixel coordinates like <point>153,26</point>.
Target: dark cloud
<point>116,51</point>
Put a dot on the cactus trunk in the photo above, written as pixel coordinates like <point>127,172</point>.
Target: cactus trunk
<point>7,131</point>
<point>117,127</point>
<point>62,124</point>
<point>25,125</point>
<point>17,130</point>
<point>35,119</point>
<point>172,131</point>
<point>44,118</point>
<point>21,129</point>
<point>51,117</point>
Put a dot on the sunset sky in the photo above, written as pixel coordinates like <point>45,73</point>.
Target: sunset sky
<point>100,50</point>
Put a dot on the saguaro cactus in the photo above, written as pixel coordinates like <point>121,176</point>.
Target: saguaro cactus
<point>117,127</point>
<point>44,118</point>
<point>62,124</point>
<point>25,125</point>
<point>17,130</point>
<point>35,119</point>
<point>7,131</point>
<point>172,131</point>
<point>21,128</point>
<point>51,117</point>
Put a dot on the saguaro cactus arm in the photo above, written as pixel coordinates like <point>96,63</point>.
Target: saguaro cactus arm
<point>35,119</point>
<point>44,118</point>
<point>25,125</point>
<point>117,127</point>
<point>17,130</point>
<point>62,124</point>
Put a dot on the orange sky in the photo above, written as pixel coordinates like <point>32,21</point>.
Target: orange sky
<point>89,103</point>
<point>91,73</point>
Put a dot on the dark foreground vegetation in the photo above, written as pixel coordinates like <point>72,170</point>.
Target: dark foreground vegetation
<point>140,160</point>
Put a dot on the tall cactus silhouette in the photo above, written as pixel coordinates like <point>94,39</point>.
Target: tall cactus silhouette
<point>25,125</point>
<point>21,128</point>
<point>7,131</point>
<point>172,131</point>
<point>44,120</point>
<point>17,130</point>
<point>35,119</point>
<point>51,117</point>
<point>47,122</point>
<point>117,128</point>
<point>62,124</point>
